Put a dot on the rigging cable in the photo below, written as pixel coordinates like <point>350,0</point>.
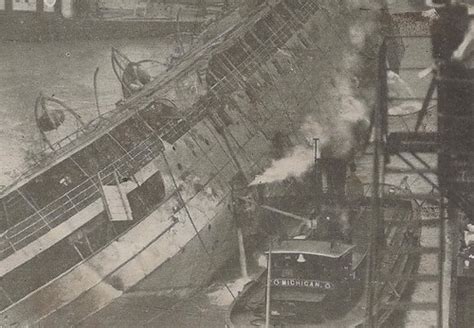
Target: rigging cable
<point>191,219</point>
<point>183,202</point>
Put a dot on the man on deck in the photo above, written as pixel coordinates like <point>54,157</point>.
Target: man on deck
<point>449,23</point>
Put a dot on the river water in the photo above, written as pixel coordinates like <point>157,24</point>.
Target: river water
<point>65,70</point>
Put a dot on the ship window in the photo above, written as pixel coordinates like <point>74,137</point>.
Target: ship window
<point>280,28</point>
<point>54,183</point>
<point>271,23</point>
<point>303,40</point>
<point>24,5</point>
<point>284,13</point>
<point>147,196</point>
<point>295,7</point>
<point>159,115</point>
<point>40,270</point>
<point>262,31</point>
<point>17,208</point>
<point>278,67</point>
<point>131,133</point>
<point>99,231</point>
<point>4,299</point>
<point>236,54</point>
<point>211,79</point>
<point>225,62</point>
<point>251,41</point>
<point>215,66</point>
<point>98,155</point>
<point>94,235</point>
<point>315,267</point>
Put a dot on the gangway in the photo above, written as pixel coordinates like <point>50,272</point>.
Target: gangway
<point>448,181</point>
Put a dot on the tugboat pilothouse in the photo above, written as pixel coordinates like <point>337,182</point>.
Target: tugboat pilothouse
<point>316,277</point>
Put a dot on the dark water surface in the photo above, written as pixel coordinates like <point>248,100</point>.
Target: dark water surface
<point>63,69</point>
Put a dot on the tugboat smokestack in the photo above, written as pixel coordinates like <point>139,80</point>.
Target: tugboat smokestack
<point>318,183</point>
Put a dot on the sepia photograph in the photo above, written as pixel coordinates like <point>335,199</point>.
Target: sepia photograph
<point>237,163</point>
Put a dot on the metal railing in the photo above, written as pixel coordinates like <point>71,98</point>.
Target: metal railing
<point>261,51</point>
<point>75,200</point>
<point>38,159</point>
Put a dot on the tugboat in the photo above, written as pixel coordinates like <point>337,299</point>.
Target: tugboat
<point>317,279</point>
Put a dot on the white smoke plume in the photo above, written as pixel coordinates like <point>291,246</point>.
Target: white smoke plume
<point>341,116</point>
<point>399,89</point>
<point>338,137</point>
<point>295,164</point>
<point>222,297</point>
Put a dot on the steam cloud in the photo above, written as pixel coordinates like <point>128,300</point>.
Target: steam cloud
<point>294,165</point>
<point>339,138</point>
<point>398,88</point>
<point>341,117</point>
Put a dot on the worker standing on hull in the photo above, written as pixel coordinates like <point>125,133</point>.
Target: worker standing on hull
<point>450,21</point>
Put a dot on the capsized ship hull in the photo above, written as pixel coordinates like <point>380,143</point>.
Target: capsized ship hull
<point>228,109</point>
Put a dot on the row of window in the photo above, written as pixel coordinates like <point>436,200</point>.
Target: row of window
<point>73,171</point>
<point>80,245</point>
<point>67,188</point>
<point>29,5</point>
<point>310,266</point>
<point>270,33</point>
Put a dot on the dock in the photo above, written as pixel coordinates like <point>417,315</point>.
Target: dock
<point>30,25</point>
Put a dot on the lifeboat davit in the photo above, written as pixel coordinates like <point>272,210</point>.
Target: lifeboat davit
<point>51,120</point>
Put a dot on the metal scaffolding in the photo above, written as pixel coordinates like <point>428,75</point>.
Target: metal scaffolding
<point>451,144</point>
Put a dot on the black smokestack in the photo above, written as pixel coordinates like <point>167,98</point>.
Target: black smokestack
<point>336,178</point>
<point>318,181</point>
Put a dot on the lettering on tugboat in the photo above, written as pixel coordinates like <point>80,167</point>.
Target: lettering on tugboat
<point>279,282</point>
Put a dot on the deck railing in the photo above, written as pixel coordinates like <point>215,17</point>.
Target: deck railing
<point>57,148</point>
<point>87,192</point>
<point>63,208</point>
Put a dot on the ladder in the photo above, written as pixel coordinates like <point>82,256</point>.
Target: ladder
<point>403,153</point>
